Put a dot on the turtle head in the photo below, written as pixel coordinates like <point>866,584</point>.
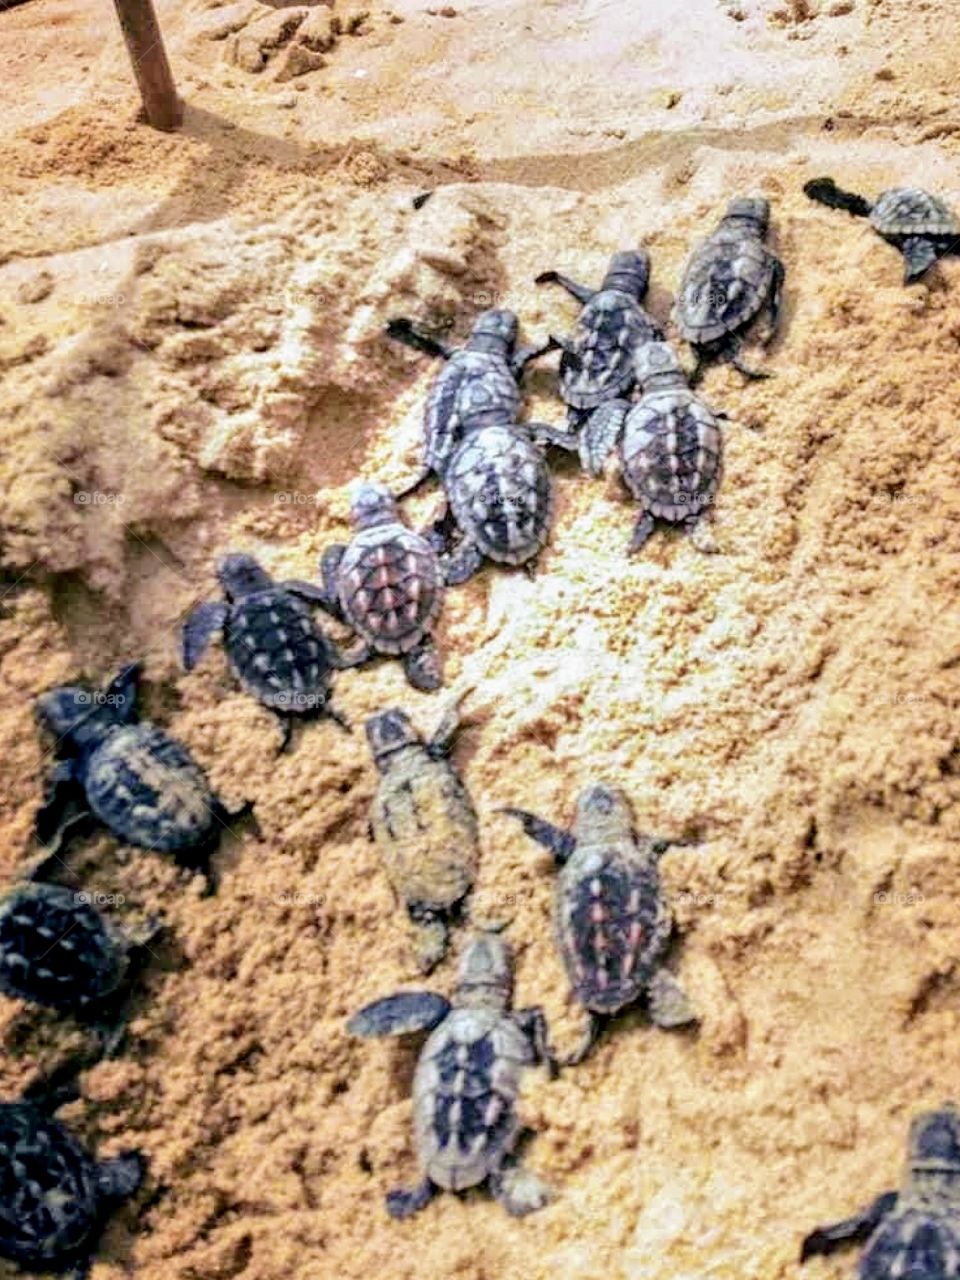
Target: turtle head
<point>656,365</point>
<point>388,732</point>
<point>752,209</point>
<point>495,332</point>
<point>240,575</point>
<point>934,1151</point>
<point>372,504</point>
<point>629,271</point>
<point>79,716</point>
<point>602,809</point>
<point>486,972</point>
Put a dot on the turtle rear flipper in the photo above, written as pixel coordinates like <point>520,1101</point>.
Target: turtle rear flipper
<point>600,435</point>
<point>121,1176</point>
<point>860,1226</point>
<point>668,1003</point>
<point>199,628</point>
<point>919,254</point>
<point>400,1015</point>
<point>422,667</point>
<point>825,191</point>
<point>519,1190</point>
<point>404,1204</point>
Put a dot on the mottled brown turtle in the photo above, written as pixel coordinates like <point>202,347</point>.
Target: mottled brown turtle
<point>424,826</point>
<point>467,1080</point>
<point>913,1233</point>
<point>612,923</point>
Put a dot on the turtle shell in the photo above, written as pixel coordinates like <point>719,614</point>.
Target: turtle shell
<point>610,920</point>
<point>278,652</point>
<point>500,490</point>
<point>908,211</point>
<point>671,453</point>
<point>917,1242</point>
<point>425,830</point>
<point>147,788</point>
<point>55,948</point>
<point>609,329</point>
<point>390,590</point>
<point>48,1189</point>
<point>726,282</point>
<point>464,1096</point>
<point>473,386</point>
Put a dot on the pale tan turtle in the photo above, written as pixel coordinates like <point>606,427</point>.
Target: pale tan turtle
<point>424,826</point>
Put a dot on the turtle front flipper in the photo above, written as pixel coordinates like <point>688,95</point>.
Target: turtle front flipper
<point>579,291</point>
<point>641,533</point>
<point>533,1023</point>
<point>462,564</point>
<point>547,436</point>
<point>329,596</point>
<point>416,484</point>
<point>731,353</point>
<point>601,435</point>
<point>559,842</point>
<point>422,666</point>
<point>919,255</point>
<point>309,591</point>
<point>400,1015</point>
<point>357,655</point>
<point>403,330</point>
<point>774,303</point>
<point>65,812</point>
<point>121,692</point>
<point>524,355</point>
<point>668,1003</point>
<point>826,1240</point>
<point>404,1204</point>
<point>825,191</point>
<point>701,535</point>
<point>590,1037</point>
<point>199,627</point>
<point>520,1191</point>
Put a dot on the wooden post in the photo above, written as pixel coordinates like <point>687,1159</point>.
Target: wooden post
<point>141,31</point>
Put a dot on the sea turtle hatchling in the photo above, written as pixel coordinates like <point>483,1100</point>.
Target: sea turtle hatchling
<point>613,926</point>
<point>386,585</point>
<point>917,223</point>
<point>670,447</point>
<point>913,1232</point>
<point>57,950</point>
<point>478,384</point>
<point>423,825</point>
<point>597,362</point>
<point>731,277</point>
<point>276,650</point>
<point>55,1196</point>
<point>128,775</point>
<point>467,1079</point>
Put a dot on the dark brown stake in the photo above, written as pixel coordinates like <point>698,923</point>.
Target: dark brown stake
<point>145,46</point>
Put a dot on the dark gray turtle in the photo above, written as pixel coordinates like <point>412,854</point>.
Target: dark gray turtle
<point>477,386</point>
<point>128,775</point>
<point>276,650</point>
<point>424,826</point>
<point>920,225</point>
<point>386,585</point>
<point>670,447</point>
<point>913,1233</point>
<point>598,361</point>
<point>730,278</point>
<point>613,926</point>
<point>467,1080</point>
<point>55,1197</point>
<point>57,950</point>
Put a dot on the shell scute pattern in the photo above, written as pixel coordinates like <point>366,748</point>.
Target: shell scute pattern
<point>672,451</point>
<point>55,949</point>
<point>277,651</point>
<point>608,331</point>
<point>390,587</point>
<point>725,285</point>
<point>914,1244</point>
<point>147,788</point>
<point>501,494</point>
<point>471,383</point>
<point>909,211</point>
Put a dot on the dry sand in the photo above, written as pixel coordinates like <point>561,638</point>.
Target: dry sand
<point>191,362</point>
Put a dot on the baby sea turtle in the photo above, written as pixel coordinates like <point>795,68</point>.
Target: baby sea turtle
<point>467,1080</point>
<point>670,446</point>
<point>913,1232</point>
<point>477,386</point>
<point>613,926</point>
<point>276,650</point>
<point>920,225</point>
<point>126,774</point>
<point>386,585</point>
<point>54,1196</point>
<point>424,826</point>
<point>57,950</point>
<point>731,277</point>
<point>597,362</point>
